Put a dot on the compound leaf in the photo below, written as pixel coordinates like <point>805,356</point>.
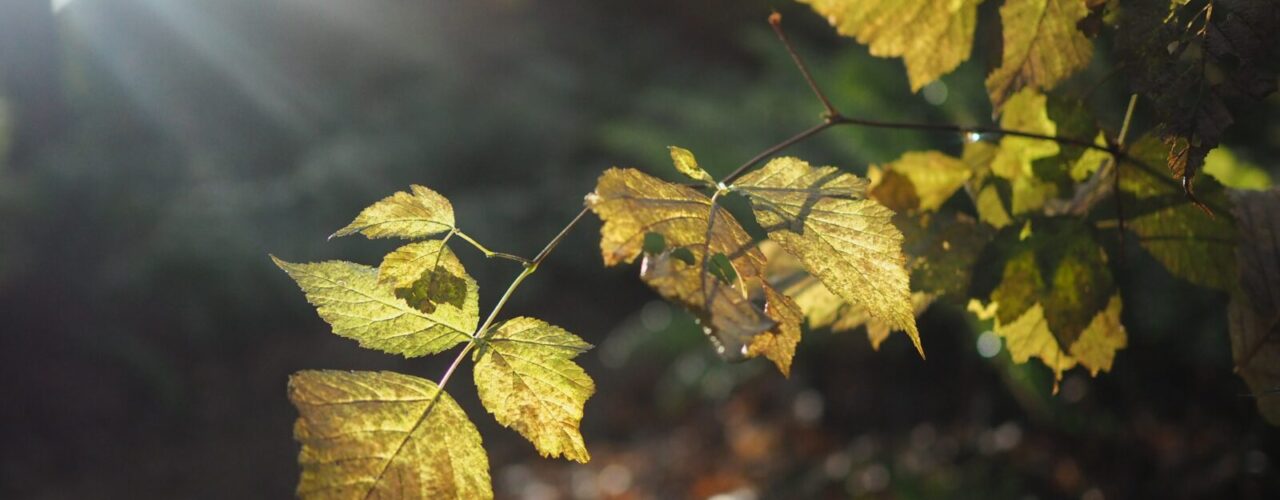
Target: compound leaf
<point>823,218</point>
<point>384,435</point>
<point>1028,336</point>
<point>932,38</point>
<point>411,215</point>
<point>1042,46</point>
<point>1096,348</point>
<point>349,298</point>
<point>526,377</point>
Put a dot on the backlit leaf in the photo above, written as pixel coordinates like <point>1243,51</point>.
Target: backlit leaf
<point>1234,172</point>
<point>349,298</point>
<point>1096,348</point>
<point>820,307</point>
<point>1025,112</point>
<point>416,214</point>
<point>931,37</point>
<point>1189,243</point>
<point>1028,336</point>
<point>779,343</point>
<point>526,378</point>
<point>427,273</point>
<point>934,176</point>
<point>1042,46</point>
<point>633,204</point>
<point>384,435</point>
<point>1254,312</point>
<point>688,165</point>
<point>823,218</point>
<point>1061,269</point>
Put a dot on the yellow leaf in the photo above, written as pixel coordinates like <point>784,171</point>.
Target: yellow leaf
<point>1060,268</point>
<point>1025,112</point>
<point>1096,348</point>
<point>991,208</point>
<point>1042,46</point>
<point>426,274</point>
<point>1090,161</point>
<point>934,176</point>
<point>418,214</point>
<point>526,378</point>
<point>931,37</point>
<point>779,344</point>
<point>384,435</point>
<point>1028,337</point>
<point>694,230</point>
<point>349,298</point>
<point>822,217</point>
<point>688,165</point>
<point>1253,315</point>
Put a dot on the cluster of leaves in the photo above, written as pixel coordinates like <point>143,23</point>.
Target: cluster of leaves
<point>1033,258</point>
<point>1012,228</point>
<point>384,434</point>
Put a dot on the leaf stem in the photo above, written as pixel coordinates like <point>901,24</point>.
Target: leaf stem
<point>489,253</point>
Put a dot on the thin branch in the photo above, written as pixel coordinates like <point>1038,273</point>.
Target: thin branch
<point>775,22</point>
<point>807,133</point>
<point>490,253</point>
<point>559,237</point>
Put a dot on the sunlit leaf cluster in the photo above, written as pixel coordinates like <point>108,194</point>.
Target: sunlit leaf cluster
<point>1023,227</point>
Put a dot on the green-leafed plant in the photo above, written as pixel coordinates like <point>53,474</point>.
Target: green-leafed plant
<point>1013,227</point>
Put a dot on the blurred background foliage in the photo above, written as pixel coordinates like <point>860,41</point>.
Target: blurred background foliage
<point>153,152</point>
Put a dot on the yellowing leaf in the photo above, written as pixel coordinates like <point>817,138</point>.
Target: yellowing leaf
<point>1090,161</point>
<point>688,165</point>
<point>1096,348</point>
<point>1189,244</point>
<point>934,176</point>
<point>694,229</point>
<point>1025,112</point>
<point>819,306</point>
<point>932,37</point>
<point>417,214</point>
<point>822,217</point>
<point>779,344</point>
<point>526,378</point>
<point>426,274</point>
<point>1042,46</point>
<point>349,298</point>
<point>1254,312</point>
<point>1027,337</point>
<point>384,435</point>
<point>1060,269</point>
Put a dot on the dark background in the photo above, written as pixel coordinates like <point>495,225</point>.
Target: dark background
<point>153,152</point>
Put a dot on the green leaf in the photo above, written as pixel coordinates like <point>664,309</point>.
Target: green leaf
<point>932,38</point>
<point>418,214</point>
<point>384,435</point>
<point>688,165</point>
<point>1042,46</point>
<point>1028,336</point>
<point>1253,316</point>
<point>349,298</point>
<point>526,378</point>
<point>1189,243</point>
<point>822,217</point>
